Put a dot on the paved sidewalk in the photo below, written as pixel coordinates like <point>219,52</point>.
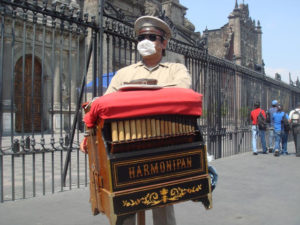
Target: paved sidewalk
<point>252,190</point>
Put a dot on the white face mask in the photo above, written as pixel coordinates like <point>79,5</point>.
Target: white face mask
<point>146,47</point>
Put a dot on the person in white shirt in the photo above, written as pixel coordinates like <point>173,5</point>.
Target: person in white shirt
<point>295,122</point>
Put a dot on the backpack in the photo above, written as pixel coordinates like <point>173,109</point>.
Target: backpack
<point>261,122</point>
<point>295,117</point>
<point>268,117</point>
<point>285,125</point>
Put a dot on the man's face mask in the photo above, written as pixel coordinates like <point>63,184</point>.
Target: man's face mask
<point>146,47</point>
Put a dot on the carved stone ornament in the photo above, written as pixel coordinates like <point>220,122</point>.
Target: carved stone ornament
<point>152,8</point>
<point>189,25</point>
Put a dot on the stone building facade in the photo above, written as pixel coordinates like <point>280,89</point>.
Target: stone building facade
<point>239,40</point>
<point>33,41</point>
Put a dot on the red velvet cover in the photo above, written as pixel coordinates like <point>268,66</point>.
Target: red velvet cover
<point>133,104</point>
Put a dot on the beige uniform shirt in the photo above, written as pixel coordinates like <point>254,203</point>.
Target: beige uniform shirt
<point>166,74</point>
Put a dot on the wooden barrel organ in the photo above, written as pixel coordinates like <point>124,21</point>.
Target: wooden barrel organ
<point>146,162</point>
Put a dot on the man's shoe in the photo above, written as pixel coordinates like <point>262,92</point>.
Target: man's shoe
<point>265,152</point>
<point>255,153</point>
<point>276,153</point>
<point>270,150</point>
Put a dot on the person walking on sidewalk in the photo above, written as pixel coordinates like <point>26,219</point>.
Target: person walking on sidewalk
<point>280,134</point>
<point>271,111</point>
<point>259,126</point>
<point>295,124</point>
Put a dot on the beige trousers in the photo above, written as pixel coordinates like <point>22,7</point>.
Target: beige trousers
<point>161,216</point>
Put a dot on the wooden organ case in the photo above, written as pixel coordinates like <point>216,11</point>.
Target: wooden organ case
<point>142,162</point>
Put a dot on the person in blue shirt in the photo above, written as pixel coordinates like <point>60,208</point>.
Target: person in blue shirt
<point>271,111</point>
<point>280,134</point>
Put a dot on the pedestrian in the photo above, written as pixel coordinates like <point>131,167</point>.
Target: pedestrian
<point>259,126</point>
<point>153,35</point>
<point>295,124</point>
<point>271,111</point>
<point>281,135</point>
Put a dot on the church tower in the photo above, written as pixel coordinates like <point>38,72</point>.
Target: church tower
<point>240,40</point>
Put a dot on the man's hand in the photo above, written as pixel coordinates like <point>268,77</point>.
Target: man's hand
<point>83,145</point>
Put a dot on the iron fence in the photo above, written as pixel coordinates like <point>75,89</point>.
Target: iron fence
<point>45,53</point>
<point>54,57</point>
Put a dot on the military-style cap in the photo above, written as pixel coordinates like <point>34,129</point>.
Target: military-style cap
<point>151,21</point>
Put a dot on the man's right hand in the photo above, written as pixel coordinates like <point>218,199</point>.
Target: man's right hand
<point>83,145</point>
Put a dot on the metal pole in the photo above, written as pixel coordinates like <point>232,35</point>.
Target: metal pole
<point>70,95</point>
<point>1,179</point>
<point>208,88</point>
<point>32,141</point>
<point>235,105</point>
<point>1,90</point>
<point>68,157</point>
<point>60,98</point>
<point>219,114</point>
<point>13,76</point>
<point>100,34</point>
<point>94,68</point>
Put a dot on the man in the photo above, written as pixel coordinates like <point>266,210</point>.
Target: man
<point>271,111</point>
<point>256,129</point>
<point>153,35</point>
<point>280,133</point>
<point>295,122</point>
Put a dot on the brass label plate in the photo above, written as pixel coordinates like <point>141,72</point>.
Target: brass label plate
<point>147,170</point>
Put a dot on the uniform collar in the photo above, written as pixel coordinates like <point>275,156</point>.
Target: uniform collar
<point>141,64</point>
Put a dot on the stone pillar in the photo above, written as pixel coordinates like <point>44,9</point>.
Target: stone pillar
<point>90,7</point>
<point>175,11</point>
<point>74,89</point>
<point>56,100</point>
<point>56,91</point>
<point>237,41</point>
<point>235,24</point>
<point>259,44</point>
<point>7,117</point>
<point>152,7</point>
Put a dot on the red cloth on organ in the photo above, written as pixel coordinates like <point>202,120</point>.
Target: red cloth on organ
<point>138,103</point>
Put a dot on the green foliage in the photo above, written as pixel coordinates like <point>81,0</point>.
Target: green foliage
<point>244,112</point>
<point>204,114</point>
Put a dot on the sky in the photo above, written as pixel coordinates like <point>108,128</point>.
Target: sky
<point>280,22</point>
